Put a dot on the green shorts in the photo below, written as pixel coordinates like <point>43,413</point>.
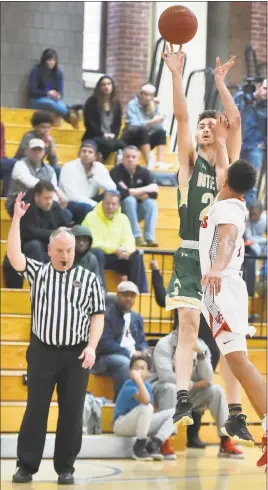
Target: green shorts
<point>184,289</point>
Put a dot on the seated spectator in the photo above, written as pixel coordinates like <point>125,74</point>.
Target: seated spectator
<point>138,196</point>
<point>204,330</point>
<point>84,255</point>
<point>6,163</point>
<point>28,171</point>
<point>203,393</point>
<point>123,336</point>
<point>255,241</point>
<point>134,414</point>
<point>144,125</point>
<point>46,88</point>
<point>113,237</point>
<point>41,125</point>
<point>253,109</point>
<point>43,216</point>
<point>82,179</point>
<point>103,116</point>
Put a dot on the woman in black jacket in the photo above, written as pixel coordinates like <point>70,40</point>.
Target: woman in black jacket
<point>103,116</point>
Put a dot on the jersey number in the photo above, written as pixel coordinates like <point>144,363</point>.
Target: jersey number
<point>208,197</point>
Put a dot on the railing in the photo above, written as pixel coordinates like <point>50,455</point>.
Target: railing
<point>254,68</point>
<point>157,64</point>
<point>258,303</point>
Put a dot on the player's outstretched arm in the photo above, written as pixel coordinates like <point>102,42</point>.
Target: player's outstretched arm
<point>186,151</point>
<point>234,135</point>
<point>220,131</point>
<point>227,238</point>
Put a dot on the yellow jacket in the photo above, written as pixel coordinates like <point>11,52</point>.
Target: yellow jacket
<point>110,234</point>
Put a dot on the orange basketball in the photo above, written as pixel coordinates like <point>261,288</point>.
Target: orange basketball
<point>177,25</point>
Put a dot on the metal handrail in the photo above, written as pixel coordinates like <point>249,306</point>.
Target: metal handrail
<point>156,78</point>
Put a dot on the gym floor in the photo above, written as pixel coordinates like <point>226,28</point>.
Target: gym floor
<point>193,470</point>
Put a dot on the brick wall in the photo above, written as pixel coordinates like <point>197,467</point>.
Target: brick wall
<point>258,29</point>
<point>27,28</point>
<point>239,37</point>
<point>127,51</point>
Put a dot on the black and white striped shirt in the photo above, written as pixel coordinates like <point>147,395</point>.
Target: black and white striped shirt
<point>62,302</point>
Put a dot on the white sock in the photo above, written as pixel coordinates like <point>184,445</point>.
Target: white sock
<point>264,423</point>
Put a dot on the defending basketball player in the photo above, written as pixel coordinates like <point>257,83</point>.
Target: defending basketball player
<point>225,300</point>
<point>197,190</point>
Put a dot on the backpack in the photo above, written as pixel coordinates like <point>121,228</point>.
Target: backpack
<point>92,415</point>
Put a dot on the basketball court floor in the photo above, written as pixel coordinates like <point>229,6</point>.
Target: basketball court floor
<point>194,470</point>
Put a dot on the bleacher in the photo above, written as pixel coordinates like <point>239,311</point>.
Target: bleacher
<point>15,304</point>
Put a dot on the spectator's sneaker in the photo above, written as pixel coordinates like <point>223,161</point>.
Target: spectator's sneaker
<point>140,452</point>
<point>263,459</point>
<point>66,478</point>
<point>236,428</point>
<point>21,476</point>
<point>183,412</point>
<point>140,242</point>
<point>151,243</point>
<point>168,451</point>
<point>229,450</point>
<point>119,157</point>
<point>196,443</point>
<point>154,449</point>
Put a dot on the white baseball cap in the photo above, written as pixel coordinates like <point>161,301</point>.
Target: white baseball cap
<point>36,143</point>
<point>148,88</point>
<point>127,286</point>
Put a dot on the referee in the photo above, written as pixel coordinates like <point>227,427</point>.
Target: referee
<point>67,322</point>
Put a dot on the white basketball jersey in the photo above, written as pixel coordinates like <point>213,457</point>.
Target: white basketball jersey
<point>229,211</point>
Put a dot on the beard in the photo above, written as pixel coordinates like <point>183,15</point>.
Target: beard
<point>205,144</point>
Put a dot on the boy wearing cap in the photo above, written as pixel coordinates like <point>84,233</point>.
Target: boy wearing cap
<point>28,171</point>
<point>82,179</point>
<point>123,336</point>
<point>144,124</point>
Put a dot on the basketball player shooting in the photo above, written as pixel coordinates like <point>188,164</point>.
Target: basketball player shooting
<point>197,180</point>
<point>225,300</point>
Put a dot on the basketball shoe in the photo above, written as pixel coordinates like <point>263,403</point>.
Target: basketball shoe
<point>236,428</point>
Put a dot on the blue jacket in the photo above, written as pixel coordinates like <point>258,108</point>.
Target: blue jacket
<point>37,87</point>
<point>254,121</point>
<point>113,332</point>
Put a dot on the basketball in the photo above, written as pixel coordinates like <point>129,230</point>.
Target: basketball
<point>177,25</point>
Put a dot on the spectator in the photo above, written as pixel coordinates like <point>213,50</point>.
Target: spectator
<point>204,330</point>
<point>82,179</point>
<point>144,125</point>
<point>28,171</point>
<point>7,164</point>
<point>41,125</point>
<point>43,216</point>
<point>103,117</point>
<point>134,414</point>
<point>122,337</point>
<point>255,241</point>
<point>203,393</point>
<point>46,88</point>
<point>113,237</point>
<point>83,251</point>
<point>253,109</point>
<point>138,196</point>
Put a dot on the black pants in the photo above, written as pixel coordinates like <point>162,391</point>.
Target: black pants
<point>140,136</point>
<point>105,146</point>
<point>47,367</point>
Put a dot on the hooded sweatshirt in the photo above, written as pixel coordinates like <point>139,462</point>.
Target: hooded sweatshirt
<point>110,234</point>
<point>87,259</point>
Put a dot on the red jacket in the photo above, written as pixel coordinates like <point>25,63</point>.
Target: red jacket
<point>3,143</point>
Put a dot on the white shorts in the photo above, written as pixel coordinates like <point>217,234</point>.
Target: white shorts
<point>231,342</point>
<point>229,310</point>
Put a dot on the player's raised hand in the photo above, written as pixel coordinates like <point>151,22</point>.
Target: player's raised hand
<point>222,70</point>
<point>220,129</point>
<point>212,279</point>
<point>174,61</point>
<point>20,207</point>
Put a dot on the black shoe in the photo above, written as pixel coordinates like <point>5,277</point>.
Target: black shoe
<point>140,452</point>
<point>236,428</point>
<point>66,478</point>
<point>196,443</point>
<point>154,449</point>
<point>183,412</point>
<point>21,476</point>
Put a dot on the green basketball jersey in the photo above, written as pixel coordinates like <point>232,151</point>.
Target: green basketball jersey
<point>195,198</point>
